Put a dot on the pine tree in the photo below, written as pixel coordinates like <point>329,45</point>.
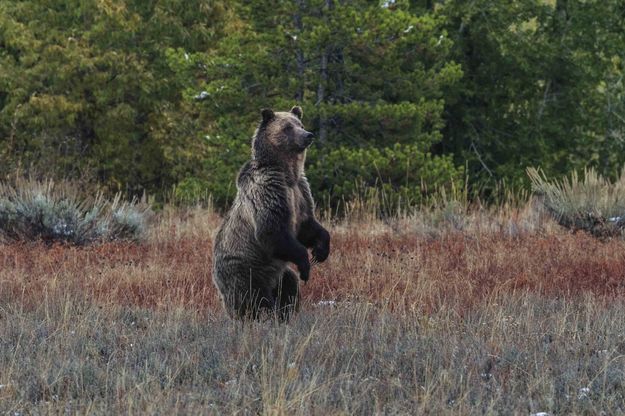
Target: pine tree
<point>86,90</point>
<point>371,80</point>
<point>540,87</point>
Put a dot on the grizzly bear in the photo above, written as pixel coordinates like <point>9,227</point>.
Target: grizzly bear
<point>271,223</point>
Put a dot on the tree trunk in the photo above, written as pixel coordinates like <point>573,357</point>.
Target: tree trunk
<point>323,81</point>
<point>299,54</point>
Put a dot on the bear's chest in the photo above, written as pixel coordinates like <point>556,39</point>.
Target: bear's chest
<point>296,207</point>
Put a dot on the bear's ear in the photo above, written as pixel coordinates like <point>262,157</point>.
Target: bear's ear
<point>267,114</point>
<point>297,110</point>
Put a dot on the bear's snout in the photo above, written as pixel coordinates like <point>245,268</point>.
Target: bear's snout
<point>308,138</point>
<point>302,140</point>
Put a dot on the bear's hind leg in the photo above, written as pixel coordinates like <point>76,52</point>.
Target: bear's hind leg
<point>257,303</point>
<point>248,302</point>
<point>287,294</point>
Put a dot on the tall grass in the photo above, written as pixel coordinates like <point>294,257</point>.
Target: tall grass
<point>511,354</point>
<point>504,315</point>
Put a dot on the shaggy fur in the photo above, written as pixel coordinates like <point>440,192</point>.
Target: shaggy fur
<point>271,223</point>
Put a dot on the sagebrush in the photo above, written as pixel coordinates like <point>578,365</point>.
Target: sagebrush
<point>52,211</point>
<point>591,203</point>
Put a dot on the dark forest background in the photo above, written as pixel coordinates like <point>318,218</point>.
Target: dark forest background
<point>162,97</point>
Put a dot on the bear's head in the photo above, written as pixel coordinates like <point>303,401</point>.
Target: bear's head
<point>281,135</point>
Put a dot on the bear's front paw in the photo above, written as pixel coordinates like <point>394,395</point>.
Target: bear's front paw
<point>321,250</point>
<point>304,270</point>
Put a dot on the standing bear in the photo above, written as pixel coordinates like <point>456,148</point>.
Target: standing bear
<point>271,223</point>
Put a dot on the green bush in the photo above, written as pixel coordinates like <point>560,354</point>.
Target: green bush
<point>405,174</point>
<point>49,211</point>
<point>593,204</point>
<point>192,191</point>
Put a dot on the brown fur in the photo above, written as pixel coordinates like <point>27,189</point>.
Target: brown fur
<point>271,222</point>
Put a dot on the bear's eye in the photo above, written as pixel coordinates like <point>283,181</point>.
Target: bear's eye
<point>288,127</point>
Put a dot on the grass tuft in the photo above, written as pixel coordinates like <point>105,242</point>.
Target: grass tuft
<point>52,211</point>
<point>593,203</point>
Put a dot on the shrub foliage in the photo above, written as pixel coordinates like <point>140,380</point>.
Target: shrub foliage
<point>592,203</point>
<point>56,211</point>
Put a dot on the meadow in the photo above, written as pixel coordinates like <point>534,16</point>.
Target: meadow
<point>498,311</point>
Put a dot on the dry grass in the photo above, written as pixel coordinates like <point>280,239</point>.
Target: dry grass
<point>502,313</point>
